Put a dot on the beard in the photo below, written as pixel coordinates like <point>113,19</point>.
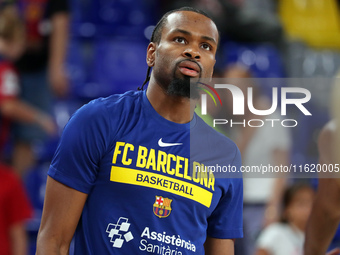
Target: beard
<point>183,87</point>
<point>179,85</point>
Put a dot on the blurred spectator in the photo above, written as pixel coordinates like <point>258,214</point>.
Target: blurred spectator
<point>266,145</point>
<point>238,23</point>
<point>11,108</point>
<point>314,22</point>
<point>47,32</point>
<point>14,210</point>
<point>325,217</point>
<point>287,237</point>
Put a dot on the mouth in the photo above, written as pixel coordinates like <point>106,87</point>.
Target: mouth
<point>189,68</point>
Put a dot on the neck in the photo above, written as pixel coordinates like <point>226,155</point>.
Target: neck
<point>174,108</point>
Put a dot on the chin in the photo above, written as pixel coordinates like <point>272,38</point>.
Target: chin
<point>183,87</point>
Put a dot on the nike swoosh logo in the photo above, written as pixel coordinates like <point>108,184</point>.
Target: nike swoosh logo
<point>161,144</point>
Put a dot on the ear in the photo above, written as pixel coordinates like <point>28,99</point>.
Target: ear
<point>150,54</point>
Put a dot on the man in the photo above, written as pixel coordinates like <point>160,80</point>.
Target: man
<point>11,107</point>
<point>126,176</point>
<point>15,210</point>
<point>325,217</point>
<point>46,25</point>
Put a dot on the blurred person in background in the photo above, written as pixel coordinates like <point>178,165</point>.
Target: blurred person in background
<point>325,217</point>
<point>238,23</point>
<point>15,208</point>
<point>266,145</point>
<point>11,107</point>
<point>40,68</point>
<point>287,236</point>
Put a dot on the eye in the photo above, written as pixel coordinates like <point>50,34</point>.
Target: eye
<point>206,46</point>
<point>180,40</point>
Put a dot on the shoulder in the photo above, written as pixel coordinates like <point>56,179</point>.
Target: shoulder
<point>104,117</point>
<point>123,101</point>
<point>110,106</point>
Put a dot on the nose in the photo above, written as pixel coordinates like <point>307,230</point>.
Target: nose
<point>190,52</point>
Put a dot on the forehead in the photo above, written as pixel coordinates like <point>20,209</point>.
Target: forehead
<point>191,21</point>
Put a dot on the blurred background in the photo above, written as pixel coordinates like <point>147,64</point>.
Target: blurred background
<point>56,55</point>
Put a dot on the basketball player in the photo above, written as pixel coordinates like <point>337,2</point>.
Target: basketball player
<point>128,176</point>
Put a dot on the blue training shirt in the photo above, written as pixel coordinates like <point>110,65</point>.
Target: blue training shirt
<point>147,182</point>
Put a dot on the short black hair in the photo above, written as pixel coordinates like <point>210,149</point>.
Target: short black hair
<point>157,31</point>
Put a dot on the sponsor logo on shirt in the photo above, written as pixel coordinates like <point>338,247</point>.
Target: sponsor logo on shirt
<point>165,243</point>
<point>163,144</point>
<point>119,232</point>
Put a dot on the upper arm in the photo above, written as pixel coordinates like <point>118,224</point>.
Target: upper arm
<point>62,209</point>
<point>215,246</point>
<point>328,197</point>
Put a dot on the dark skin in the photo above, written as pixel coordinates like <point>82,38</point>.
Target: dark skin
<point>325,215</point>
<point>186,35</point>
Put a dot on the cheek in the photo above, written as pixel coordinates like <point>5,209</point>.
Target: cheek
<point>162,63</point>
<point>209,68</point>
<point>162,68</point>
<point>162,56</point>
<point>210,61</point>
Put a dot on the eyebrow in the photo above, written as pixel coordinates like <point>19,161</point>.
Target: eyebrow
<point>208,38</point>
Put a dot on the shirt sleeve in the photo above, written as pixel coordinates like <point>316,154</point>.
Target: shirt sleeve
<point>226,221</point>
<point>84,141</point>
